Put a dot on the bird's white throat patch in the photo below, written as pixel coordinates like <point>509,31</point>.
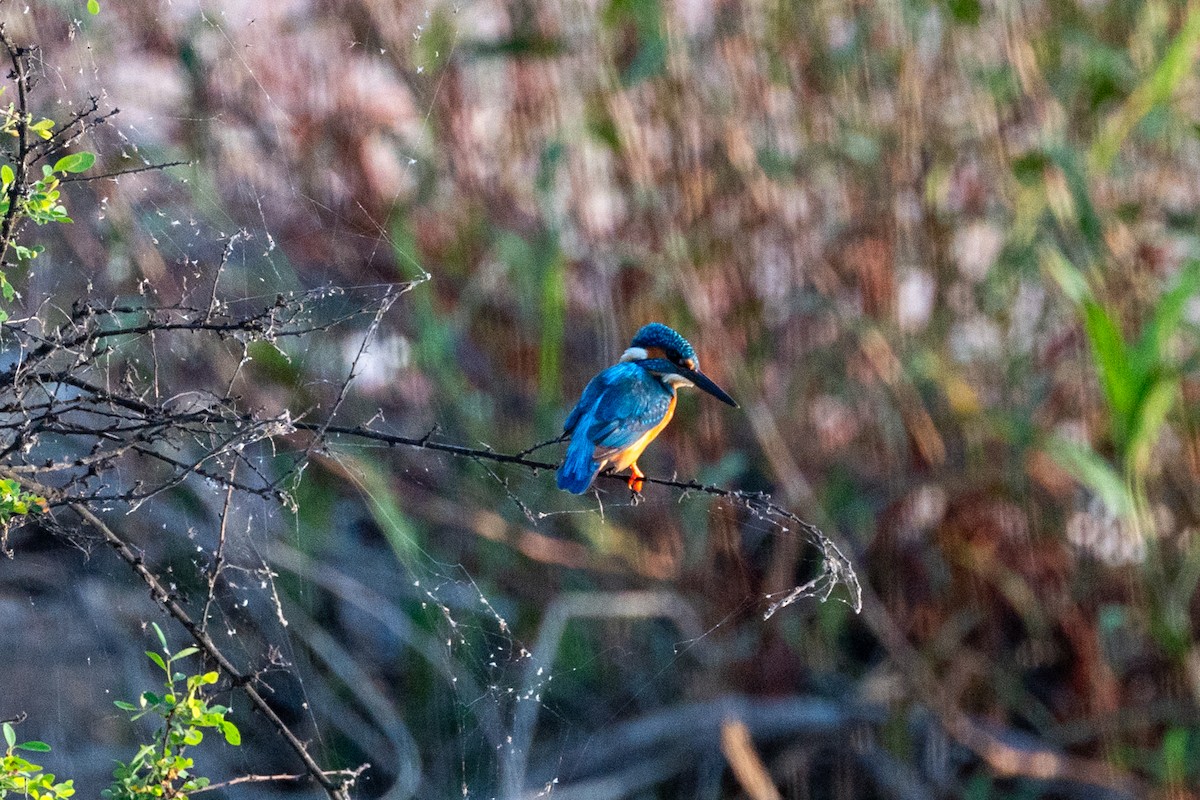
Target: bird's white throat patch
<point>676,380</point>
<point>635,354</point>
<point>669,378</point>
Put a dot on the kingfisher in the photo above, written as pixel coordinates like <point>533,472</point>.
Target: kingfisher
<point>627,405</point>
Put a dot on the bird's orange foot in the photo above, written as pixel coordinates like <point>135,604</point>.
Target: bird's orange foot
<point>637,479</point>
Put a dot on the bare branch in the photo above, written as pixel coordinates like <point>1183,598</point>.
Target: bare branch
<point>350,774</point>
<point>123,172</point>
<point>837,565</point>
<point>336,787</point>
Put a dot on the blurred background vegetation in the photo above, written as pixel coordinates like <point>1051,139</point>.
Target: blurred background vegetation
<point>943,253</point>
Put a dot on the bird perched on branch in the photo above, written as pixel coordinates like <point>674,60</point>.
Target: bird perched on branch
<point>627,405</point>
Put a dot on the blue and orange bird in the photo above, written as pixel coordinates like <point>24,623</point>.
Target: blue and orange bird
<point>627,405</point>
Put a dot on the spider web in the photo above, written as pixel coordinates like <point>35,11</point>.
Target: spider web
<point>406,650</point>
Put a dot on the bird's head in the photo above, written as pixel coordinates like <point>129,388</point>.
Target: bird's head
<point>663,352</point>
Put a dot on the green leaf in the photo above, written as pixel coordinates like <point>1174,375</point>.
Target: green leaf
<point>185,652</point>
<point>232,734</point>
<point>43,128</point>
<point>35,747</point>
<point>1168,314</point>
<point>26,253</point>
<point>1086,466</point>
<point>1152,412</point>
<point>522,45</point>
<point>93,7</point>
<point>161,638</point>
<point>1156,90</point>
<point>7,175</point>
<point>75,162</point>
<point>1112,361</point>
<point>10,735</point>
<point>1068,277</point>
<point>124,706</point>
<point>157,659</point>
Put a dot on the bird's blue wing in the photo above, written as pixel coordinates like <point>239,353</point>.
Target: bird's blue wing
<point>591,393</point>
<point>632,403</point>
<point>617,408</point>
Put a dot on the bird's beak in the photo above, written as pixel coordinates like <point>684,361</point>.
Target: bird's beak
<point>702,381</point>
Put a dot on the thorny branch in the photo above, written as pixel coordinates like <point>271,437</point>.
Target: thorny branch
<point>83,426</point>
<point>120,173</point>
<point>838,569</point>
<point>18,56</point>
<point>348,774</point>
<point>336,783</point>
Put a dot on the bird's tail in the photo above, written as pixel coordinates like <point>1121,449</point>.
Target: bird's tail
<point>579,469</point>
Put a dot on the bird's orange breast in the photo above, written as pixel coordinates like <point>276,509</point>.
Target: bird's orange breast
<point>625,457</point>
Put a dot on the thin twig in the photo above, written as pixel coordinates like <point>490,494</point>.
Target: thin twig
<point>351,774</point>
<point>122,172</point>
<point>338,790</point>
<point>219,557</point>
<point>534,448</point>
<point>838,565</point>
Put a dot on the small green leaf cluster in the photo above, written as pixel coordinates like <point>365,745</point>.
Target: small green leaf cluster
<point>162,769</point>
<point>44,129</point>
<point>10,120</point>
<point>16,502</point>
<point>41,204</point>
<point>22,777</point>
<point>37,200</point>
